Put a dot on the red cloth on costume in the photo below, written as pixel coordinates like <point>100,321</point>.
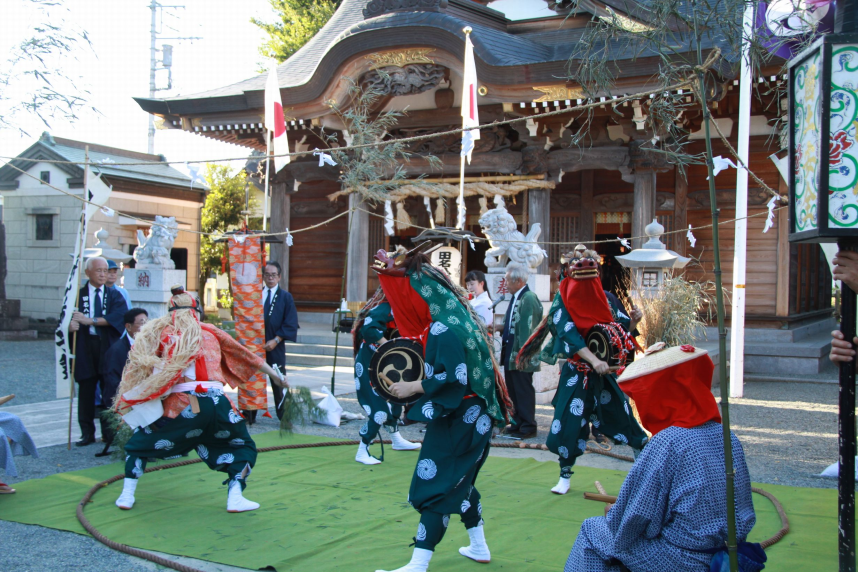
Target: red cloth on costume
<point>679,395</point>
<point>586,303</point>
<point>410,311</point>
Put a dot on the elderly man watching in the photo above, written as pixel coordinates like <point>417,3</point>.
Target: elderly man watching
<point>522,316</point>
<point>98,323</point>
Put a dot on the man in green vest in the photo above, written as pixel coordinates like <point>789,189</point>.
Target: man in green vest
<point>522,316</point>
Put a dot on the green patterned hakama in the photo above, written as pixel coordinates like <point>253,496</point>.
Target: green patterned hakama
<point>217,433</point>
<point>458,437</point>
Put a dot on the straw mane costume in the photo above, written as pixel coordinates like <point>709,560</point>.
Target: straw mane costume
<point>370,326</point>
<point>463,396</point>
<point>671,513</point>
<point>584,395</point>
<point>182,364</point>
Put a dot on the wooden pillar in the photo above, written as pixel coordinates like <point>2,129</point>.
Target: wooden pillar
<point>358,263</point>
<point>644,204</point>
<point>783,270</point>
<point>281,218</point>
<point>539,211</point>
<point>680,208</point>
<point>586,219</point>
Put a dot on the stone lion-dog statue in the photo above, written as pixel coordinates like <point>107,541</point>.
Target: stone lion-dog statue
<point>507,244</point>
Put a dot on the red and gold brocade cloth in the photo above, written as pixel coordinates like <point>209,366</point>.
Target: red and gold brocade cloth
<point>226,361</point>
<point>245,266</point>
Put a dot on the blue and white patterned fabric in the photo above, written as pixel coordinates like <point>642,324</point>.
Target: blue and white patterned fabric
<point>671,507</point>
<point>14,440</point>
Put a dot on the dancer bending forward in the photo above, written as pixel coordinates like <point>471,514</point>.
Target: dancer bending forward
<point>587,391</point>
<point>185,363</point>
<point>458,404</point>
<point>368,333</point>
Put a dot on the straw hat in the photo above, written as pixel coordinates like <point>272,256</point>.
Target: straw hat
<point>659,357</point>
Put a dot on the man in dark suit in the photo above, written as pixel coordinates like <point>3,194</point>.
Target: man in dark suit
<point>114,363</point>
<point>281,325</point>
<point>98,323</point>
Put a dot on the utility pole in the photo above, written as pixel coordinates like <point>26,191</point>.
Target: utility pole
<point>166,63</point>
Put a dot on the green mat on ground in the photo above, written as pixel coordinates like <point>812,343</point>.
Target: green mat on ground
<point>322,512</point>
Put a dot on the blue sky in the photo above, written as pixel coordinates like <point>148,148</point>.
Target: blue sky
<point>117,68</point>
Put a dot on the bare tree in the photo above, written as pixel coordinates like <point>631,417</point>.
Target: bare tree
<point>33,80</point>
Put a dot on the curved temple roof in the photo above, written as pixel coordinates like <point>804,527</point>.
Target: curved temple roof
<point>507,52</point>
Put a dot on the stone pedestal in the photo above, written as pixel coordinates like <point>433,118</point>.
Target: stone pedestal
<point>149,288</point>
<point>546,379</point>
<point>12,325</point>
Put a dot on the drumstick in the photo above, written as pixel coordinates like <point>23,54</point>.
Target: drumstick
<point>601,498</point>
<point>385,379</point>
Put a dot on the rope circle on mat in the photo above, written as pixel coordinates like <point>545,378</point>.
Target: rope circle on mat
<point>161,561</point>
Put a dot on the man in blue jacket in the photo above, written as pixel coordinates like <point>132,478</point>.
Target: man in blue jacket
<point>114,364</point>
<point>98,323</point>
<point>281,325</point>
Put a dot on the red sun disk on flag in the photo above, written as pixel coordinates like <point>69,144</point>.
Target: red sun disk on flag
<point>279,121</point>
<point>473,100</point>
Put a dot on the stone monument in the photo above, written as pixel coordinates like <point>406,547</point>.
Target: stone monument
<point>508,245</point>
<point>149,282</point>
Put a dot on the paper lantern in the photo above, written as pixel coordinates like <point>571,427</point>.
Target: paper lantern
<point>823,150</point>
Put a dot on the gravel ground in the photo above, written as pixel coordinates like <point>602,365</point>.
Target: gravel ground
<point>788,431</point>
<point>27,370</point>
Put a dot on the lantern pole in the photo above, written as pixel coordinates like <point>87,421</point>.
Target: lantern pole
<point>846,429</point>
<point>846,22</point>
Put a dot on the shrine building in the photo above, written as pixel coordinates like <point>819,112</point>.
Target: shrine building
<point>605,187</point>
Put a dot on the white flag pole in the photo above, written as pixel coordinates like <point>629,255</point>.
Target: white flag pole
<point>79,262</point>
<point>268,165</point>
<point>737,326</point>
<point>468,136</point>
<point>461,200</point>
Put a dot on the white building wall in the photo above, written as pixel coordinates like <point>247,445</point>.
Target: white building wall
<point>38,270</point>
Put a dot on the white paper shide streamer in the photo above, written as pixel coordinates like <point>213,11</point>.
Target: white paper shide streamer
<point>770,218</point>
<point>388,218</point>
<point>324,158</point>
<point>719,163</point>
<point>427,202</point>
<point>690,236</point>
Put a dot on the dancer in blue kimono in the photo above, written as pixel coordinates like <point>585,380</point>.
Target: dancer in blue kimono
<point>671,513</point>
<point>369,330</point>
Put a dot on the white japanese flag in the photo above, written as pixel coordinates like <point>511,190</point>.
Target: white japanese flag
<point>97,193</point>
<point>470,112</point>
<point>274,120</point>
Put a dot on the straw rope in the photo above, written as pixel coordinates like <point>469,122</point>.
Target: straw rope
<point>448,191</point>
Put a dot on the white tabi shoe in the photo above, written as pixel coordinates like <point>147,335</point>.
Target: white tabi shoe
<point>419,562</point>
<point>562,487</point>
<point>400,443</point>
<point>235,501</point>
<point>126,499</point>
<point>364,457</point>
<point>478,550</point>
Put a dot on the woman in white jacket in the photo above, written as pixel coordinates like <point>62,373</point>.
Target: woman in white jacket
<point>481,301</point>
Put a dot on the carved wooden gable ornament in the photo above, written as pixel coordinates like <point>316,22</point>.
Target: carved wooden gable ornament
<point>378,7</point>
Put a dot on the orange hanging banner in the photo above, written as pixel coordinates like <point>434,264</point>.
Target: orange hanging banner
<point>245,265</point>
